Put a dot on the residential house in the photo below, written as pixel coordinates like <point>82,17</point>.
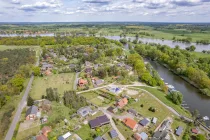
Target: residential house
<point>113,134</point>
<point>98,138</point>
<point>114,89</point>
<point>112,109</point>
<point>161,135</point>
<point>154,120</point>
<point>82,82</point>
<point>122,103</point>
<point>144,122</point>
<point>63,58</point>
<point>141,136</point>
<point>179,131</point>
<point>72,66</point>
<point>46,66</point>
<point>99,82</point>
<point>121,64</point>
<point>31,113</point>
<point>194,130</point>
<point>46,130</point>
<point>41,137</point>
<point>132,124</point>
<point>132,111</point>
<point>99,121</point>
<point>88,64</point>
<point>84,111</point>
<point>128,68</point>
<point>65,136</point>
<point>88,70</point>
<point>164,125</point>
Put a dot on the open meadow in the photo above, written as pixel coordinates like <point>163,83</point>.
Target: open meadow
<point>63,82</point>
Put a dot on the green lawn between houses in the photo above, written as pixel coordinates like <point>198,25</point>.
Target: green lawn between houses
<point>161,112</point>
<point>162,96</point>
<point>63,82</point>
<point>23,135</point>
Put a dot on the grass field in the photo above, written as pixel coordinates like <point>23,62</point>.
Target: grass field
<point>201,55</point>
<point>162,96</point>
<point>125,131</point>
<point>5,47</point>
<point>58,81</point>
<point>23,135</point>
<point>94,98</point>
<point>161,111</point>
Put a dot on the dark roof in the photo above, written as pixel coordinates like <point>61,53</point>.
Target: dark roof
<point>160,135</point>
<point>32,110</point>
<point>99,81</point>
<point>132,111</point>
<point>41,137</point>
<point>179,131</point>
<point>98,138</point>
<point>99,121</point>
<point>113,133</point>
<point>144,122</point>
<point>110,109</point>
<point>157,134</point>
<point>88,70</point>
<point>61,138</point>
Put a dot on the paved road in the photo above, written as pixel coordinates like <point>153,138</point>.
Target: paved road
<point>19,110</point>
<point>76,81</point>
<point>113,124</point>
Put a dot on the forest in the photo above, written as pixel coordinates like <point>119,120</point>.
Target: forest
<point>15,68</point>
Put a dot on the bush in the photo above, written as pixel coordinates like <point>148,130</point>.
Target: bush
<point>152,109</point>
<point>142,105</point>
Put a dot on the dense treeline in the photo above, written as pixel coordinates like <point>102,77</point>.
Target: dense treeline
<point>73,101</point>
<point>55,40</point>
<point>11,60</point>
<point>16,66</point>
<point>145,73</point>
<point>182,62</point>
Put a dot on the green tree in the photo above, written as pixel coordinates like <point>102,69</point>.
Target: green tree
<point>36,71</point>
<point>30,101</point>
<point>200,137</point>
<point>176,97</point>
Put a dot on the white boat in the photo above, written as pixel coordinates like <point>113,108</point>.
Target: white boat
<point>205,118</point>
<point>162,79</point>
<point>170,87</point>
<point>166,83</point>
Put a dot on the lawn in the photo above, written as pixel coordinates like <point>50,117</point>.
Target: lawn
<point>94,98</point>
<point>28,133</point>
<point>162,96</point>
<point>125,131</point>
<point>147,101</point>
<point>201,55</point>
<point>62,82</point>
<point>5,47</point>
<point>84,132</point>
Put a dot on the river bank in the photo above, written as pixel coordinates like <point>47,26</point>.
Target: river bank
<point>184,78</point>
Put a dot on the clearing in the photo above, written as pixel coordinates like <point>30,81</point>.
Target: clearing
<point>63,82</point>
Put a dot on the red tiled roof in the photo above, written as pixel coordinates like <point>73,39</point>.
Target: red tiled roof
<point>123,102</point>
<point>41,137</point>
<point>130,123</point>
<point>195,131</point>
<point>46,130</point>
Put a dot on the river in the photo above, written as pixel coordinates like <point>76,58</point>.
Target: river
<point>170,43</point>
<point>192,98</point>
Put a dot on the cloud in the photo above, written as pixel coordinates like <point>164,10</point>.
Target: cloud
<point>15,1</point>
<point>41,5</point>
<point>100,2</point>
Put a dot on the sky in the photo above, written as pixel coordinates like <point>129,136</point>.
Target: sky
<point>104,10</point>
